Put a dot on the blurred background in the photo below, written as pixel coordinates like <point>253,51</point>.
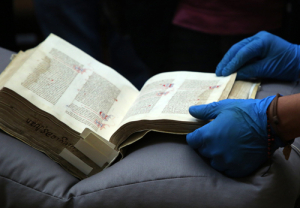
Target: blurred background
<point>141,38</point>
<point>83,23</point>
<point>19,27</point>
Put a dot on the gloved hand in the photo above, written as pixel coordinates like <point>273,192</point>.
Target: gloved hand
<point>263,55</point>
<point>236,141</point>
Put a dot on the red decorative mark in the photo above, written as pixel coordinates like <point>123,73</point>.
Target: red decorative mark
<point>215,86</point>
<point>104,116</point>
<point>100,125</point>
<point>159,94</point>
<point>168,85</point>
<point>79,69</point>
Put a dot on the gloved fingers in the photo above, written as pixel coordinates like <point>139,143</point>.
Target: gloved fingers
<point>197,139</point>
<point>250,71</point>
<point>240,171</point>
<point>244,55</point>
<point>235,173</point>
<point>231,54</point>
<point>218,164</point>
<point>231,169</point>
<point>205,137</point>
<point>205,112</point>
<point>211,110</point>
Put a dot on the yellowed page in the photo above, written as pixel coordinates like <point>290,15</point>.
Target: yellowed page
<point>72,86</point>
<point>13,66</point>
<point>244,90</point>
<point>169,95</point>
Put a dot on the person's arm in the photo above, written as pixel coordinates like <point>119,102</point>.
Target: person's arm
<point>236,141</point>
<point>288,112</point>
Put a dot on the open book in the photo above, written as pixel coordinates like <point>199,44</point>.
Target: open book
<point>82,113</point>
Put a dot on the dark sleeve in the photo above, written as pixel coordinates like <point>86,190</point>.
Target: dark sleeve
<point>148,24</point>
<point>292,21</point>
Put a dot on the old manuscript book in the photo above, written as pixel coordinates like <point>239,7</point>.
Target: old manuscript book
<point>82,113</point>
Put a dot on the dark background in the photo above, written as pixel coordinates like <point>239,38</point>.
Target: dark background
<point>19,29</point>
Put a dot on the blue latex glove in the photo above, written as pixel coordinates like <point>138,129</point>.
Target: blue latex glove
<point>262,56</point>
<point>236,141</point>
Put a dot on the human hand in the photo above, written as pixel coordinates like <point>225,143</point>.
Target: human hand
<point>262,56</point>
<point>236,141</point>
